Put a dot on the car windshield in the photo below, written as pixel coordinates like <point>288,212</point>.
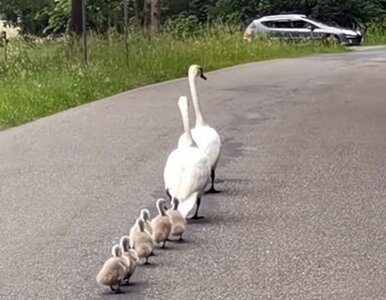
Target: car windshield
<point>316,22</point>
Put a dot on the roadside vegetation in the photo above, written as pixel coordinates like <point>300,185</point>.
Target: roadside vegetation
<point>42,78</point>
<point>42,70</point>
<point>375,34</point>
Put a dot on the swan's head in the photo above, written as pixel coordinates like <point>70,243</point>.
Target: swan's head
<point>116,251</point>
<point>161,205</point>
<point>145,214</point>
<point>125,243</point>
<point>196,71</point>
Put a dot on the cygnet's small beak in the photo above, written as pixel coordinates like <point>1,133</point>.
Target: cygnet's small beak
<point>203,76</point>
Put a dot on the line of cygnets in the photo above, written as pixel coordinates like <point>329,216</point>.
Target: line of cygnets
<point>188,170</point>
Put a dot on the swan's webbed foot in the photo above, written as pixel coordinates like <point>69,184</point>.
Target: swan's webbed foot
<point>117,290</point>
<point>212,190</point>
<point>196,217</point>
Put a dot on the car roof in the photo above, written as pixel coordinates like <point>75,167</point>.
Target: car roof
<point>276,17</point>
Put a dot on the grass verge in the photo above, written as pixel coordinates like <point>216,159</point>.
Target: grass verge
<point>44,78</point>
<point>375,35</point>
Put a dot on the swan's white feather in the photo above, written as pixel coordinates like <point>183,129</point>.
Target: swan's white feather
<point>187,205</point>
<point>207,140</point>
<point>186,175</point>
<point>187,168</point>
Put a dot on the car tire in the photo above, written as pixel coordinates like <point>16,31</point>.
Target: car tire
<point>331,39</point>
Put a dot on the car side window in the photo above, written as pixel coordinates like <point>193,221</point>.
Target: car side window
<point>267,24</point>
<point>309,25</point>
<point>281,24</point>
<point>300,24</point>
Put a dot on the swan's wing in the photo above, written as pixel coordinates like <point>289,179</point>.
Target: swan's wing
<point>187,205</point>
<point>195,176</point>
<point>173,171</point>
<point>208,140</point>
<point>182,141</point>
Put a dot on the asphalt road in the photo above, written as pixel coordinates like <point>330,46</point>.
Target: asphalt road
<point>302,213</point>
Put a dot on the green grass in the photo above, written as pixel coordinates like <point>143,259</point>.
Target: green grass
<point>375,35</point>
<point>45,78</point>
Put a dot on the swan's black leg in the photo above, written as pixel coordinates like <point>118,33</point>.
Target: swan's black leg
<point>118,289</point>
<point>127,281</point>
<point>212,190</point>
<point>196,217</point>
<point>163,245</point>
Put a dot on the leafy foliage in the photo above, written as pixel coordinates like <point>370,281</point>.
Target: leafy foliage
<point>41,17</point>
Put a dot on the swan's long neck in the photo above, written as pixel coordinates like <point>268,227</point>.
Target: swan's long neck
<point>116,251</point>
<point>125,244</point>
<point>141,225</point>
<point>196,104</point>
<point>161,210</point>
<point>185,120</point>
<point>145,214</point>
<point>175,203</point>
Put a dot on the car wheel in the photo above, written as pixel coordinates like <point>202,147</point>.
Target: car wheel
<point>331,39</point>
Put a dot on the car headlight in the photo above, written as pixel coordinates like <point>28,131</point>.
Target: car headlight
<point>359,33</point>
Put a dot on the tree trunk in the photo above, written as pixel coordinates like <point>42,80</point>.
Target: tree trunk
<point>146,12</point>
<point>138,13</point>
<point>155,15</point>
<point>76,17</point>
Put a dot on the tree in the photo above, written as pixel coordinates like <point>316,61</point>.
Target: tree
<point>138,12</point>
<point>155,17</point>
<point>41,17</point>
<point>76,17</point>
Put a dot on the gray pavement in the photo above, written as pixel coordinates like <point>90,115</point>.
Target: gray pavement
<point>302,213</point>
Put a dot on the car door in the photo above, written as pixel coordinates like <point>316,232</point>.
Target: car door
<point>280,28</point>
<point>301,29</point>
<point>316,32</point>
<point>305,29</point>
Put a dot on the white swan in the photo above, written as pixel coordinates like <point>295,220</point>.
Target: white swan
<point>187,169</point>
<point>207,138</point>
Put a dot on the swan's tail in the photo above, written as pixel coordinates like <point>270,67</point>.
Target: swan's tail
<point>105,279</point>
<point>187,205</point>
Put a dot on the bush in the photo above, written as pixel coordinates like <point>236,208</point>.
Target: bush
<point>182,26</point>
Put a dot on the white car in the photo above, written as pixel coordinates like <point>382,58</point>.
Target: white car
<point>297,27</point>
